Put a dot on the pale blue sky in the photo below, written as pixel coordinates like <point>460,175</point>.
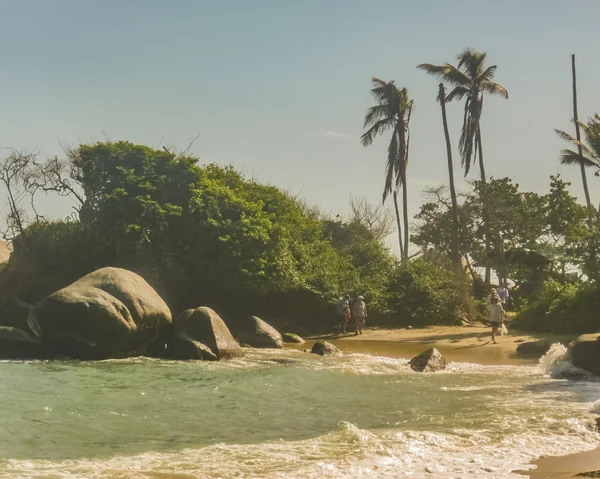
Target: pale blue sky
<point>279,88</point>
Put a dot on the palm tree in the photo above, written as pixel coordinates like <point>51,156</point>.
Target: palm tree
<point>471,80</point>
<point>589,148</point>
<point>392,112</point>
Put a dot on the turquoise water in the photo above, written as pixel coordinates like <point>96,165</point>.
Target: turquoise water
<point>285,414</point>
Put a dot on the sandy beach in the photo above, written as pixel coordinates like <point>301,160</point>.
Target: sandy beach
<point>471,344</point>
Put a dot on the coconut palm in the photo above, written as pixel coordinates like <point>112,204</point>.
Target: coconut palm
<point>392,112</point>
<point>588,154</point>
<point>471,80</point>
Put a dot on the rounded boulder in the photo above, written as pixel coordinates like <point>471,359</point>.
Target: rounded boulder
<point>428,361</point>
<point>109,313</point>
<point>257,333</point>
<point>585,353</point>
<point>292,338</point>
<point>201,334</point>
<point>323,348</point>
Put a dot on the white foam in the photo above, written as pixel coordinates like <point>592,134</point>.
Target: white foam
<point>595,407</point>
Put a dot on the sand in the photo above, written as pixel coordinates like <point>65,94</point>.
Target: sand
<point>469,344</point>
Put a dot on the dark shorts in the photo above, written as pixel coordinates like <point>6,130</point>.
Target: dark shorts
<point>495,324</point>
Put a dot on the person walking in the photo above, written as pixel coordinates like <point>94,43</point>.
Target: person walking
<point>503,294</point>
<point>343,313</point>
<point>496,314</point>
<point>359,312</point>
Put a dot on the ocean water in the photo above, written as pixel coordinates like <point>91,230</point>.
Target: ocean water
<point>288,414</point>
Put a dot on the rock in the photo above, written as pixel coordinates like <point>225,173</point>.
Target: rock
<point>14,313</point>
<point>409,327</point>
<point>534,348</point>
<point>428,361</point>
<point>18,344</point>
<point>323,348</point>
<point>201,334</point>
<point>292,338</point>
<point>585,353</point>
<point>257,333</point>
<point>110,313</point>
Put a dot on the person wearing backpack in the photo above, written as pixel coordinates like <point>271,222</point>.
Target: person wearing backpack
<point>343,313</point>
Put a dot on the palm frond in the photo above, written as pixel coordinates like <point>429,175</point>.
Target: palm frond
<point>376,113</point>
<point>487,75</point>
<point>472,61</point>
<point>377,129</point>
<point>493,88</point>
<point>570,157</point>
<point>469,131</point>
<point>391,165</point>
<point>458,93</point>
<point>446,72</point>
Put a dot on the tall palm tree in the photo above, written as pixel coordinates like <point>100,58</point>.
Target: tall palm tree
<point>471,80</point>
<point>392,112</point>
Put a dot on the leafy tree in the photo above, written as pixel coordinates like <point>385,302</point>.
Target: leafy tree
<point>392,112</point>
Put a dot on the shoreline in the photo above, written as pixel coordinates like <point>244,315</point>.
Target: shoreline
<point>469,344</point>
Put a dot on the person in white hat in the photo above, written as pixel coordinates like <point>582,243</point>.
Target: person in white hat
<point>359,311</point>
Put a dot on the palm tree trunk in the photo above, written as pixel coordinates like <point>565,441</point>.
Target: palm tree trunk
<point>405,213</point>
<point>395,195</point>
<point>455,257</point>
<point>578,136</point>
<point>488,270</point>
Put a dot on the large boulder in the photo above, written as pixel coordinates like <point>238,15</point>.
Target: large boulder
<point>257,333</point>
<point>323,348</point>
<point>585,353</point>
<point>292,338</point>
<point>428,361</point>
<point>14,313</point>
<point>533,348</point>
<point>110,313</point>
<point>201,334</point>
<point>18,344</point>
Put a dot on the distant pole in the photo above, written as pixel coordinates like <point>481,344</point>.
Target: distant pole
<point>578,136</point>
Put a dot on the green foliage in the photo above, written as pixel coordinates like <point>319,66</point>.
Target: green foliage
<point>423,293</point>
<point>562,308</point>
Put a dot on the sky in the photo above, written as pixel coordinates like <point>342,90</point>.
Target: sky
<point>280,88</point>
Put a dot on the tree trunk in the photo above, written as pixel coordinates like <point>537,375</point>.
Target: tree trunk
<point>395,195</point>
<point>578,136</point>
<point>405,213</point>
<point>454,255</point>
<point>488,270</point>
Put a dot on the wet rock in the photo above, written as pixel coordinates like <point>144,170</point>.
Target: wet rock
<point>257,333</point>
<point>201,334</point>
<point>292,338</point>
<point>323,348</point>
<point>18,344</point>
<point>585,353</point>
<point>110,313</point>
<point>534,348</point>
<point>428,361</point>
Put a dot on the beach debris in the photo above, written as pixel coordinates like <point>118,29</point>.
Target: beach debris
<point>201,334</point>
<point>257,333</point>
<point>585,353</point>
<point>534,348</point>
<point>292,338</point>
<point>323,348</point>
<point>109,313</point>
<point>428,361</point>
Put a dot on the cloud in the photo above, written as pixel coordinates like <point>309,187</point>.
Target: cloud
<point>335,135</point>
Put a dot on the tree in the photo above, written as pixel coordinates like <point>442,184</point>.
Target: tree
<point>376,218</point>
<point>471,80</point>
<point>392,112</point>
<point>590,147</point>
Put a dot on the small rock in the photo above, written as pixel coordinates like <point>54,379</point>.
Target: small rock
<point>323,348</point>
<point>428,361</point>
<point>292,338</point>
<point>533,348</point>
<point>409,327</point>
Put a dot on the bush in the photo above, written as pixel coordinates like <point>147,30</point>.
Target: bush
<point>423,293</point>
<point>558,308</point>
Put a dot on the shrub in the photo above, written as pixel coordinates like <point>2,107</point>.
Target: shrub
<point>423,293</point>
